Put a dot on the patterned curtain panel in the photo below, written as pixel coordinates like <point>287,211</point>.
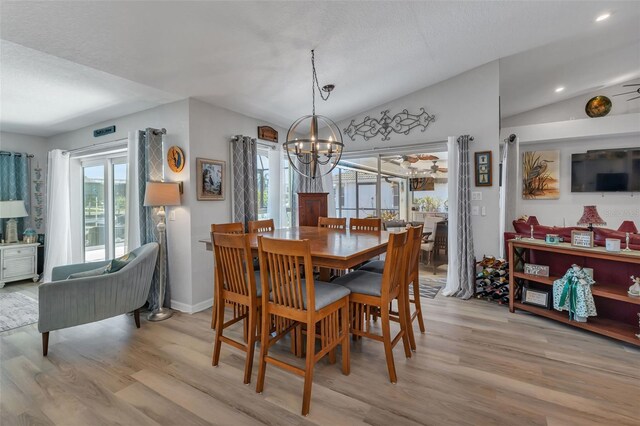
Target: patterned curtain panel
<point>465,233</point>
<point>150,168</point>
<point>244,160</point>
<point>15,184</point>
<point>303,183</point>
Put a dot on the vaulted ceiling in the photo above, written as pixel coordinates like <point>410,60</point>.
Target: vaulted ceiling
<point>67,64</point>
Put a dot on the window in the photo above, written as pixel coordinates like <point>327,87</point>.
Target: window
<point>104,206</point>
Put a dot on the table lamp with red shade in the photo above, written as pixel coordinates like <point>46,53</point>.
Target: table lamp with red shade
<point>591,217</point>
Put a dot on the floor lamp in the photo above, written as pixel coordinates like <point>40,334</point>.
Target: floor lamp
<point>161,194</point>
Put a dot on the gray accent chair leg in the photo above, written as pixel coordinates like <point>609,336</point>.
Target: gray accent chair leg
<point>45,343</point>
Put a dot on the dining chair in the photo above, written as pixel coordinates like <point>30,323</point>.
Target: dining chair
<point>332,222</point>
<point>226,228</point>
<point>413,279</point>
<point>371,290</point>
<point>366,224</point>
<point>296,301</point>
<point>265,225</point>
<point>429,246</point>
<point>236,284</point>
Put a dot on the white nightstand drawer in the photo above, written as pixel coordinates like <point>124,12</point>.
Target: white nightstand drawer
<point>18,267</point>
<point>19,251</point>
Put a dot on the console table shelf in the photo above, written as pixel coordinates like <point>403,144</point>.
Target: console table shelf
<point>611,294</point>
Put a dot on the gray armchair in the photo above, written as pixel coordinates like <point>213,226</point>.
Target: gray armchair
<point>68,302</point>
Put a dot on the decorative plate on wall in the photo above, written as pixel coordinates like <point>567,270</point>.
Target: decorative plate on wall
<point>598,106</point>
<point>175,158</point>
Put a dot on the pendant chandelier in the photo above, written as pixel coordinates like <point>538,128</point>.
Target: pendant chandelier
<point>314,140</point>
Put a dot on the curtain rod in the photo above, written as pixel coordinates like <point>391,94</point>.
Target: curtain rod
<point>95,145</point>
<point>272,145</point>
<point>15,154</point>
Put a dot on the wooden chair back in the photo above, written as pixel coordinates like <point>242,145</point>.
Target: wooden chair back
<point>332,222</point>
<point>228,228</point>
<point>265,225</point>
<point>395,266</point>
<point>234,267</point>
<point>287,264</point>
<point>368,224</point>
<point>415,239</point>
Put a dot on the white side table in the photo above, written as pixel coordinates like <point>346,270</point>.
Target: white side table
<point>18,261</point>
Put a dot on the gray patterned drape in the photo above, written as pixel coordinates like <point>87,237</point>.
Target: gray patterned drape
<point>465,232</point>
<point>15,184</point>
<point>244,160</point>
<point>150,168</point>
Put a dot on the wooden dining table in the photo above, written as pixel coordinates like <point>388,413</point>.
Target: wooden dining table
<point>330,248</point>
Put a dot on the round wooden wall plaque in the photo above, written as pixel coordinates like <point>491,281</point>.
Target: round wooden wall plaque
<point>175,158</point>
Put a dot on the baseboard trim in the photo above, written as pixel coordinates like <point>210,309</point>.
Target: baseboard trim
<point>191,309</point>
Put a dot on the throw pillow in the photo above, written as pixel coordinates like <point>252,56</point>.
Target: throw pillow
<point>90,273</point>
<point>120,262</point>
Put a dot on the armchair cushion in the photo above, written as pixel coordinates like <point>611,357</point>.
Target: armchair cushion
<point>60,273</point>
<point>120,262</point>
<point>90,273</point>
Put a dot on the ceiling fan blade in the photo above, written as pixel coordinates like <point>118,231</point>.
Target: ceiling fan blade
<point>637,97</point>
<point>443,170</point>
<point>428,157</point>
<point>633,84</point>
<point>625,93</point>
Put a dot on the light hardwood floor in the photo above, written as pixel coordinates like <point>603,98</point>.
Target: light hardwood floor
<point>476,365</point>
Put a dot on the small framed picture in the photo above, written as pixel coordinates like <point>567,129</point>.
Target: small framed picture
<point>537,270</point>
<point>210,179</point>
<point>582,239</point>
<point>483,169</point>
<point>535,297</point>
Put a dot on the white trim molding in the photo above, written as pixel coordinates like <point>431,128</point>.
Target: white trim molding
<point>191,309</point>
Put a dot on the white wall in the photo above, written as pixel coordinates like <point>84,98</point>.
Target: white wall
<point>211,129</point>
<point>613,207</point>
<point>573,109</point>
<point>35,145</point>
<point>465,104</point>
<point>175,118</point>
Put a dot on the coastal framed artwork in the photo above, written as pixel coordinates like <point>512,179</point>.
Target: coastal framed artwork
<point>483,169</point>
<point>541,175</point>
<point>210,175</point>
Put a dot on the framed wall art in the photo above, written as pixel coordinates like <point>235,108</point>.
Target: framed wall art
<point>210,179</point>
<point>541,175</point>
<point>483,168</point>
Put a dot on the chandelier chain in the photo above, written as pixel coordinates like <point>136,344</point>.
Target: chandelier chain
<point>315,83</point>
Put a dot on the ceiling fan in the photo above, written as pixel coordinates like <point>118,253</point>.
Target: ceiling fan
<point>408,160</point>
<point>633,91</point>
<point>435,168</point>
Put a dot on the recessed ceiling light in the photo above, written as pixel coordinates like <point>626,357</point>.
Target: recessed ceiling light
<point>602,17</point>
<point>559,89</point>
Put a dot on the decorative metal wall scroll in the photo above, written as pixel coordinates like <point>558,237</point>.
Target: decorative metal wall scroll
<point>401,123</point>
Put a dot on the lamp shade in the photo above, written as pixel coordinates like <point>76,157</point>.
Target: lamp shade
<point>12,208</point>
<point>162,194</point>
<point>590,216</point>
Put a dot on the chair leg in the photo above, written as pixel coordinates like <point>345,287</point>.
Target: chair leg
<point>408,340</point>
<point>136,317</point>
<point>309,364</point>
<point>45,343</point>
<point>386,339</point>
<point>219,316</point>
<point>433,262</point>
<point>417,304</point>
<point>264,350</point>
<point>251,344</point>
<point>346,360</point>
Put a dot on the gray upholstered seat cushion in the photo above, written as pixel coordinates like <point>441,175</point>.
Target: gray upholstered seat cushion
<point>362,282</point>
<point>325,293</point>
<point>376,266</point>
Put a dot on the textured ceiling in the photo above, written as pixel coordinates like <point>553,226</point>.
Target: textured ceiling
<point>253,57</point>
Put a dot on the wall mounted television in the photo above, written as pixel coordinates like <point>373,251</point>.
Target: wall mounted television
<point>610,170</point>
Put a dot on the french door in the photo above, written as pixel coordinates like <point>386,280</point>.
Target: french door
<point>104,203</point>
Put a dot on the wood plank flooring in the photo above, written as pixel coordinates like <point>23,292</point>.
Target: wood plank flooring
<point>476,365</point>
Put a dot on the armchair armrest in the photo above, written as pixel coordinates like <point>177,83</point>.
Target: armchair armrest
<point>60,273</point>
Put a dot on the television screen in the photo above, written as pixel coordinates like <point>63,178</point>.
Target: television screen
<point>606,171</point>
